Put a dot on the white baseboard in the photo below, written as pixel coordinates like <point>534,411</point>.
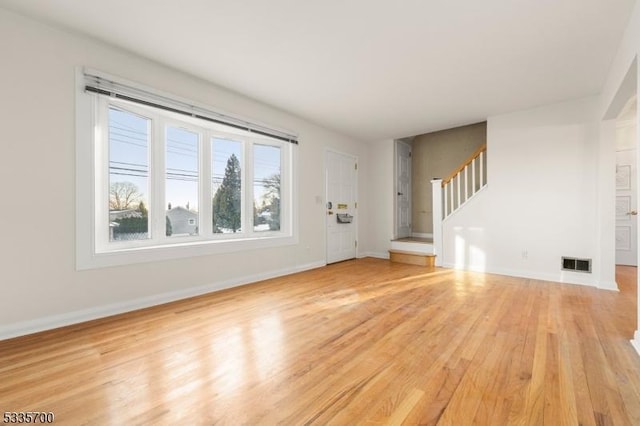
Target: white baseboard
<point>55,321</point>
<point>635,342</point>
<point>587,280</point>
<point>374,254</point>
<point>608,285</point>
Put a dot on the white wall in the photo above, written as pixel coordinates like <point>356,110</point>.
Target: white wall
<point>380,198</point>
<point>605,210</point>
<point>541,199</point>
<point>40,287</point>
<point>628,51</point>
<point>622,82</point>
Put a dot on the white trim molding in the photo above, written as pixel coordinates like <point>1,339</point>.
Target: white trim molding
<point>635,342</point>
<point>608,285</point>
<point>569,278</point>
<point>377,255</point>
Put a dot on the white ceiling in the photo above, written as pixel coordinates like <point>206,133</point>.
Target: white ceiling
<point>372,69</point>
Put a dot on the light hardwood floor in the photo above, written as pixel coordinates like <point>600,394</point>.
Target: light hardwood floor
<point>359,342</point>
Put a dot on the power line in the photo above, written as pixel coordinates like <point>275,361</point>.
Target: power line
<point>182,154</point>
<point>125,132</point>
<point>111,139</point>
<point>181,170</point>
<point>128,164</point>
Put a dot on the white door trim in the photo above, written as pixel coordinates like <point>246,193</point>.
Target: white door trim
<point>396,224</point>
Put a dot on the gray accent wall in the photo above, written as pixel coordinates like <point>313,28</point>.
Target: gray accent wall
<point>436,155</point>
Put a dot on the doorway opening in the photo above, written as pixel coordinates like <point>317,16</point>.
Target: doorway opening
<point>626,206</point>
<point>623,114</point>
<point>402,186</point>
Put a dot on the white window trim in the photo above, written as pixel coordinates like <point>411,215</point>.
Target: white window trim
<point>90,175</point>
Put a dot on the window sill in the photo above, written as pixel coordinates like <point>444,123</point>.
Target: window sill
<point>157,253</point>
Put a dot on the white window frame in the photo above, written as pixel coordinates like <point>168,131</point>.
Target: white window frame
<point>93,248</point>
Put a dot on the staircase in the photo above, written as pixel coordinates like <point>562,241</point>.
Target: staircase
<point>448,196</point>
<point>461,184</point>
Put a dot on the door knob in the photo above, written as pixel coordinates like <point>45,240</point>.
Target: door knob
<point>633,213</point>
<point>399,193</point>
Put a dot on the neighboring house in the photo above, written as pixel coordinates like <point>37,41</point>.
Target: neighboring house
<point>122,214</point>
<point>114,215</point>
<point>183,221</point>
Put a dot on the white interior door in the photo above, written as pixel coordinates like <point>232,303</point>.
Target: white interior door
<point>341,209</point>
<point>626,208</point>
<point>403,190</point>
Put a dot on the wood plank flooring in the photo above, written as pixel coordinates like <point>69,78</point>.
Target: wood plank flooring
<point>359,342</point>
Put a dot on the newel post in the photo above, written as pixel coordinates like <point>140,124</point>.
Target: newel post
<point>436,197</point>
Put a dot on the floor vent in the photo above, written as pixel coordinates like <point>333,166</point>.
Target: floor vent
<point>574,264</point>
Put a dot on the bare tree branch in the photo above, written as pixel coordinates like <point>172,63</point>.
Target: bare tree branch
<point>123,195</point>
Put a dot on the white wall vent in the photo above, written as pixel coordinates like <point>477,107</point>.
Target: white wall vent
<point>575,264</point>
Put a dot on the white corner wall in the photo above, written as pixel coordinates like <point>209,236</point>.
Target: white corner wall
<point>380,198</point>
<point>40,287</point>
<point>541,200</point>
<point>619,85</point>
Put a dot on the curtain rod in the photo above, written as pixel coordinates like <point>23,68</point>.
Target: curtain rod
<point>248,128</point>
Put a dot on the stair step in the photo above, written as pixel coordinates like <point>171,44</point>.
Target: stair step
<point>412,257</point>
<point>412,246</point>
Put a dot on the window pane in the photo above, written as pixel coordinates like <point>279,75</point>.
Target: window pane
<point>181,184</point>
<point>266,188</point>
<point>128,175</point>
<point>226,184</point>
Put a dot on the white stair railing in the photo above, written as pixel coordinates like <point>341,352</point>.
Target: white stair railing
<point>464,181</point>
<point>452,192</point>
